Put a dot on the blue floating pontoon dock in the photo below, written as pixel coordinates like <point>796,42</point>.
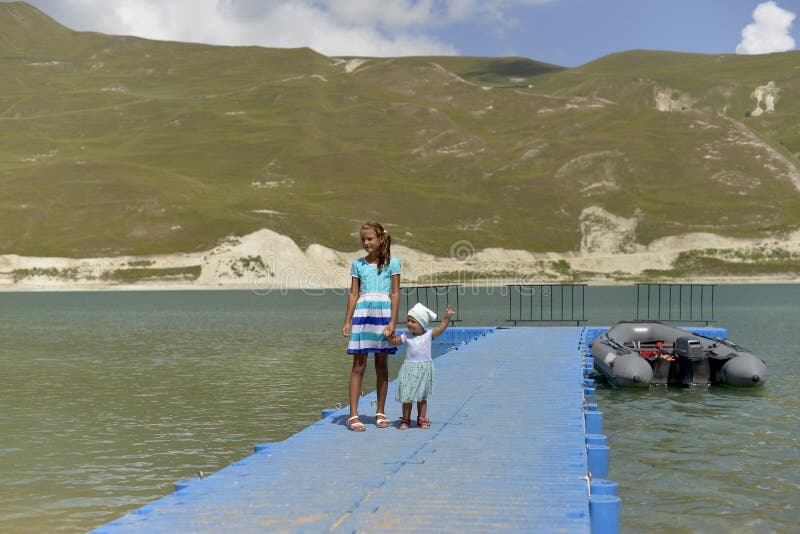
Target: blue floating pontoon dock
<point>511,444</point>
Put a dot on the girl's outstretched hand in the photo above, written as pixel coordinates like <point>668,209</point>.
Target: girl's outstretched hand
<point>436,332</point>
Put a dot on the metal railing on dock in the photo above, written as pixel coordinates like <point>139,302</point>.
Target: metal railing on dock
<point>436,297</point>
<point>546,303</point>
<point>675,302</point>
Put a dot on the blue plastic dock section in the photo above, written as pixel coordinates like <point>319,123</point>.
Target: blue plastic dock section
<point>506,450</point>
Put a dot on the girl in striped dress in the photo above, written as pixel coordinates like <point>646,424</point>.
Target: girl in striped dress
<point>372,309</point>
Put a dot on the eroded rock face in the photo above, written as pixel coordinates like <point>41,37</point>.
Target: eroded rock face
<point>672,100</point>
<point>767,95</point>
<point>605,233</point>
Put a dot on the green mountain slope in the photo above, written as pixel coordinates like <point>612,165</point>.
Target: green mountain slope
<point>120,145</point>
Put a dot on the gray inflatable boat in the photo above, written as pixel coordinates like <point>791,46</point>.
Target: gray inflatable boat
<point>639,354</point>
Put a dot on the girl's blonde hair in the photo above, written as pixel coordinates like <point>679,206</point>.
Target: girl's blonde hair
<point>385,245</point>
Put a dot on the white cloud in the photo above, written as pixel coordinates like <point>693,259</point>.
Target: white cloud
<point>332,27</point>
<point>769,31</point>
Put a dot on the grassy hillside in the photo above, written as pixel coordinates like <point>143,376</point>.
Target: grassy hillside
<point>119,145</point>
<point>718,84</point>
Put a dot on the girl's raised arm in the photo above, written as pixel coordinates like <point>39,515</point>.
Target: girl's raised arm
<point>443,325</point>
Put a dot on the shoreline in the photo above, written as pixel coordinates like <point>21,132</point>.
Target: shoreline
<point>265,261</point>
<point>163,287</point>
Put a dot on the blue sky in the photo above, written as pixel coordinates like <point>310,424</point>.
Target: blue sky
<point>564,32</point>
<point>573,32</point>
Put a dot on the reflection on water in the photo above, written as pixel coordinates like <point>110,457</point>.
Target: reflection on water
<point>717,459</point>
<point>106,399</point>
<point>704,460</point>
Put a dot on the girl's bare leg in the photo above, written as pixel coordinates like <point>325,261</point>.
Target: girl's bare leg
<point>382,379</point>
<point>422,409</point>
<point>356,379</point>
<point>405,420</point>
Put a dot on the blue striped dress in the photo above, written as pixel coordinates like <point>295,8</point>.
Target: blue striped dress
<point>374,309</point>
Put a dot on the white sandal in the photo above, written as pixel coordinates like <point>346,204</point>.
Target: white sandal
<point>358,426</point>
<point>381,421</point>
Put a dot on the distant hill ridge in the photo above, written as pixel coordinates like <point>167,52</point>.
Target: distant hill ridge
<point>118,145</point>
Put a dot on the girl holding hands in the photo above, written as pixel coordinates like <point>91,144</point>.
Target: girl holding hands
<point>417,374</point>
<point>371,316</point>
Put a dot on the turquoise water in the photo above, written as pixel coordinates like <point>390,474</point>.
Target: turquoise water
<point>108,398</point>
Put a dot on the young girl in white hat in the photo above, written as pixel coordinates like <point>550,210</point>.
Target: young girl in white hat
<point>417,374</point>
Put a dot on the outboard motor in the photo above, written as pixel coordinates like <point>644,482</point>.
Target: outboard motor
<point>693,365</point>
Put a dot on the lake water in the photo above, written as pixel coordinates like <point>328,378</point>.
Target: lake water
<point>108,398</point>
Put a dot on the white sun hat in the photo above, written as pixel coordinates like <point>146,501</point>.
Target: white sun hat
<point>422,314</point>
